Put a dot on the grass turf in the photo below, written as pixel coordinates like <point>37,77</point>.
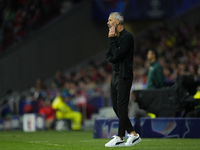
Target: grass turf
<point>83,140</point>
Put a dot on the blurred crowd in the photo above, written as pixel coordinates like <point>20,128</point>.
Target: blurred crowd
<point>20,18</point>
<point>76,88</point>
<point>178,50</point>
<point>179,54</point>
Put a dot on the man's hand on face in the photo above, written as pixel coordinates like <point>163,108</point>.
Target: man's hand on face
<point>112,32</point>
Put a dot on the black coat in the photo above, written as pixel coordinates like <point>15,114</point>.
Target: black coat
<point>120,53</point>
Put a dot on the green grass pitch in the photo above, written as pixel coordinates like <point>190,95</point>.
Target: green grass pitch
<point>83,140</point>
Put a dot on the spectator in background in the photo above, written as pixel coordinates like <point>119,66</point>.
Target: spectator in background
<point>94,73</point>
<point>39,90</point>
<point>5,112</point>
<point>39,85</point>
<point>36,19</point>
<point>18,20</point>
<point>59,79</point>
<point>28,104</point>
<point>81,100</point>
<point>8,16</point>
<point>63,111</point>
<point>167,74</point>
<point>48,112</point>
<point>155,78</point>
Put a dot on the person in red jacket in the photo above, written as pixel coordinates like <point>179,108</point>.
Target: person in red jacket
<point>48,112</point>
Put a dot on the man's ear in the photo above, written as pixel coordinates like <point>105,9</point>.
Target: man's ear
<point>118,21</point>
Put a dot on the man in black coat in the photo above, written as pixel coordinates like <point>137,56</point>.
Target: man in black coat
<point>120,54</point>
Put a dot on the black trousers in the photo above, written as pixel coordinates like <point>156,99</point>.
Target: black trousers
<point>120,94</point>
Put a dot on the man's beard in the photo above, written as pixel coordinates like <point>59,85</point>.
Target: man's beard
<point>111,26</point>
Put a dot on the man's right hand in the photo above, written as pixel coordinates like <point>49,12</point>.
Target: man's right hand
<point>112,32</point>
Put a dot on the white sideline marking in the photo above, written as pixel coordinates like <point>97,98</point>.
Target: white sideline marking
<point>38,141</point>
<point>90,141</point>
<point>45,143</point>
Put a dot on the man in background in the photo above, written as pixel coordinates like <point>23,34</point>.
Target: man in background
<point>155,78</point>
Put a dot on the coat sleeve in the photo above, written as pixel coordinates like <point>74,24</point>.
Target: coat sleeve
<point>110,58</point>
<point>119,52</point>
